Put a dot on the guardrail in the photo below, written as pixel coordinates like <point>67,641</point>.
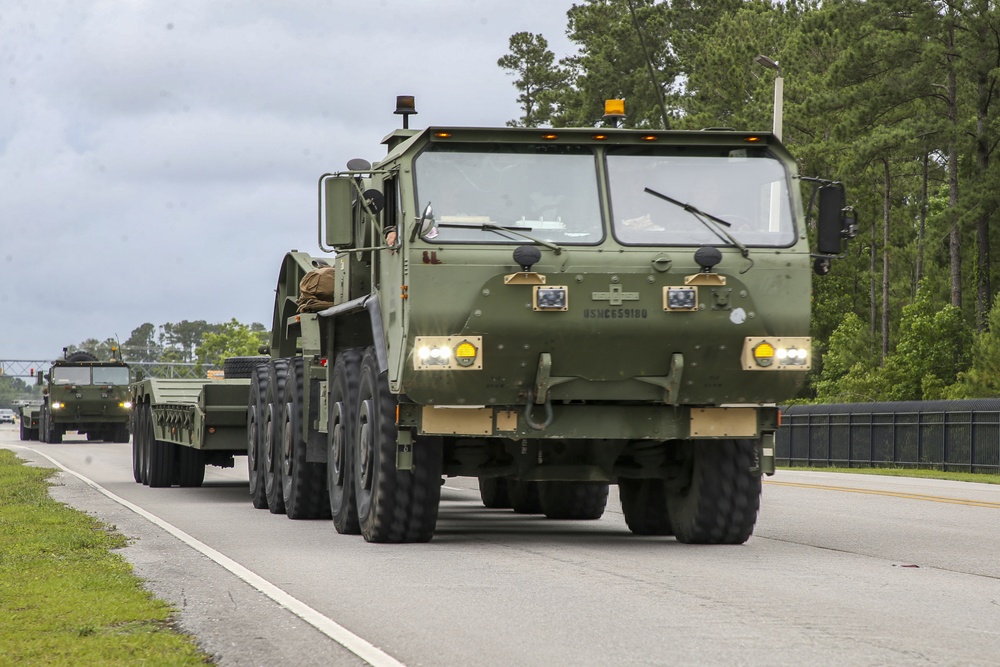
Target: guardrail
<point>943,435</point>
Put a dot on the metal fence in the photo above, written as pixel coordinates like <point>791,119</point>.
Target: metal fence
<point>943,435</point>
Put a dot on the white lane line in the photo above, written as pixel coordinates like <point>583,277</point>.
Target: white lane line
<point>353,643</point>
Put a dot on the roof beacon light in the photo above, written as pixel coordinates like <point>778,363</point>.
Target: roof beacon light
<point>614,111</point>
<point>405,107</point>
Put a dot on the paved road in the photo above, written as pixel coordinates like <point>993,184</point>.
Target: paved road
<point>842,569</point>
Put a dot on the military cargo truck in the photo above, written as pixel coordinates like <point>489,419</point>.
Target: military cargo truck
<point>551,311</point>
<point>82,394</point>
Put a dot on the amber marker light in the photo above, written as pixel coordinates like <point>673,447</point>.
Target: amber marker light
<point>443,135</point>
<point>465,353</point>
<point>752,140</point>
<point>600,137</point>
<point>550,137</point>
<point>763,354</point>
<point>649,137</point>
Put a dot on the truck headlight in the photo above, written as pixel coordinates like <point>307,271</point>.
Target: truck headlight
<point>771,353</point>
<point>447,353</point>
<point>125,404</point>
<point>56,405</point>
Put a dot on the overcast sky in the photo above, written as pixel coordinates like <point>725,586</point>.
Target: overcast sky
<point>157,159</point>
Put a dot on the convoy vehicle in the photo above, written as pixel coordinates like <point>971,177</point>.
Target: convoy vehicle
<point>28,416</point>
<point>82,394</point>
<point>550,311</point>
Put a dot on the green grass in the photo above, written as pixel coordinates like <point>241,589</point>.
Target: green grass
<point>908,472</point>
<point>65,597</point>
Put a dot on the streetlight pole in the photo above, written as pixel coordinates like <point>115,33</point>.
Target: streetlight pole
<point>779,88</point>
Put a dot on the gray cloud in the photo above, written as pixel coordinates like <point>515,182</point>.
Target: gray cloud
<point>158,159</point>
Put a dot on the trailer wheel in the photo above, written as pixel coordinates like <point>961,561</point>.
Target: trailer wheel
<point>644,504</point>
<point>719,505</point>
<point>493,491</point>
<point>139,410</point>
<point>581,501</point>
<point>524,497</point>
<point>255,435</point>
<point>161,458</point>
<point>190,467</point>
<point>393,505</point>
<point>276,373</point>
<point>303,484</point>
<point>340,435</point>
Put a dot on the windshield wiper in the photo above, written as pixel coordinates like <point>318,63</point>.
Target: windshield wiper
<point>704,218</point>
<point>493,227</point>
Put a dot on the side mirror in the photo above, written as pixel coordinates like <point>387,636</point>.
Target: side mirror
<point>427,225</point>
<point>39,381</point>
<point>835,222</point>
<point>336,203</point>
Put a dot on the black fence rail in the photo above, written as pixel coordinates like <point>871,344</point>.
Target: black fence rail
<point>942,435</point>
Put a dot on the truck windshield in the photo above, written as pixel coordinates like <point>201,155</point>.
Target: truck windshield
<point>548,192</point>
<point>110,375</point>
<point>71,375</point>
<point>748,193</point>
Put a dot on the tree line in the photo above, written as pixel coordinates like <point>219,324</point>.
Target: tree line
<point>898,99</point>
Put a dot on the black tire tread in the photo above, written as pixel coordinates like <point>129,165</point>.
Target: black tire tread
<point>644,504</point>
<point>573,501</point>
<point>304,487</point>
<point>720,505</point>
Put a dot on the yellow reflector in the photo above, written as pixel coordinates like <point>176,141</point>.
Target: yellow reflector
<point>550,137</point>
<point>763,350</point>
<point>614,107</point>
<point>752,139</point>
<point>600,137</point>
<point>649,137</point>
<point>443,135</point>
<point>465,350</point>
<point>763,354</point>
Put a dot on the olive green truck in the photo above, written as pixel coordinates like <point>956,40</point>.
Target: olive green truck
<point>83,394</point>
<point>551,311</point>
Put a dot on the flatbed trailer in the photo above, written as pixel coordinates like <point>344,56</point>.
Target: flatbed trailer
<point>181,425</point>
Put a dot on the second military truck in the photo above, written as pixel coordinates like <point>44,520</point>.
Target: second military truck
<point>83,394</point>
<point>551,311</point>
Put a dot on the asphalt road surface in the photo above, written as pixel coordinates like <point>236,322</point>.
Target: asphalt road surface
<point>841,570</point>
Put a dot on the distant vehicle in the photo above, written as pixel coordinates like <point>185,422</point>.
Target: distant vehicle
<point>6,416</point>
<point>82,394</point>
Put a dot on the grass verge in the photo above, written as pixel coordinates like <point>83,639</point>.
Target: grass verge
<point>65,597</point>
<point>907,472</point>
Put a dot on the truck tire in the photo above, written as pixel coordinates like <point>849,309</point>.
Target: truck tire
<point>80,356</point>
<point>23,432</point>
<point>138,418</point>
<point>303,484</point>
<point>579,501</point>
<point>241,367</point>
<point>524,497</point>
<point>255,435</point>
<point>161,459</point>
<point>120,432</point>
<point>393,505</point>
<point>277,371</point>
<point>190,466</point>
<point>493,491</point>
<point>53,434</point>
<point>719,505</point>
<point>340,434</point>
<point>644,504</point>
